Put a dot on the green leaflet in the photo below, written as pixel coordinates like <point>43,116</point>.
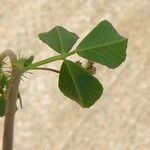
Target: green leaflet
<point>60,39</point>
<point>78,84</point>
<point>104,45</point>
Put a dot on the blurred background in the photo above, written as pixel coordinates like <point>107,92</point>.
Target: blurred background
<point>120,120</point>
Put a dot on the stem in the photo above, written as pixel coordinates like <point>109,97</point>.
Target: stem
<point>11,109</point>
<point>49,60</point>
<point>13,92</point>
<point>8,53</point>
<point>11,100</point>
<point>46,69</point>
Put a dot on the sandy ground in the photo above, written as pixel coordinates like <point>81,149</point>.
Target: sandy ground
<point>50,121</point>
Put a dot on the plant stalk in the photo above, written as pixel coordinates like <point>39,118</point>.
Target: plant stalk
<point>46,69</point>
<point>11,109</point>
<point>11,100</point>
<point>49,60</point>
<point>12,94</point>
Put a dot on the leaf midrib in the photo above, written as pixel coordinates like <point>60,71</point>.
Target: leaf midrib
<point>60,39</point>
<point>76,85</point>
<point>102,45</point>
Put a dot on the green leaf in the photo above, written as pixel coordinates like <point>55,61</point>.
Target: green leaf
<point>78,84</point>
<point>60,39</point>
<point>104,45</point>
<point>2,106</point>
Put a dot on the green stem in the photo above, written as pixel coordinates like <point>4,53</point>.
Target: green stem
<point>49,60</point>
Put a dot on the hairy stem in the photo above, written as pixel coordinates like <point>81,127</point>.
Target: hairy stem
<point>8,53</point>
<point>11,101</point>
<point>11,109</point>
<point>13,91</point>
